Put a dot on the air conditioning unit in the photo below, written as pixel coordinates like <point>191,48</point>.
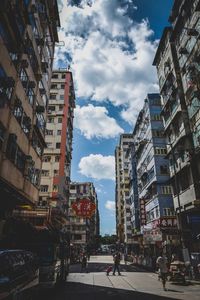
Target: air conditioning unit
<point>32,84</point>
<point>24,63</point>
<point>44,66</point>
<point>18,102</point>
<point>183,51</point>
<point>192,32</point>
<point>39,41</point>
<point>42,91</point>
<point>40,109</point>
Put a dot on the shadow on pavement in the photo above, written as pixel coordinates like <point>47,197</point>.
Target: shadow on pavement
<point>79,291</point>
<point>101,267</point>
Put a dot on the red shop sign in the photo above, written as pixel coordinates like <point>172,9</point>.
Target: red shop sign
<point>84,208</point>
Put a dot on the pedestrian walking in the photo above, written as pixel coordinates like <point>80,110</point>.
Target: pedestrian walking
<point>116,259</point>
<point>88,256</point>
<point>163,269</point>
<point>84,263</point>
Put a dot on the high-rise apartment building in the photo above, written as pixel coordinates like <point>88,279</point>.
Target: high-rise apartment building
<point>56,166</point>
<point>177,62</point>
<point>158,222</point>
<point>122,200</point>
<point>28,33</point>
<point>84,231</point>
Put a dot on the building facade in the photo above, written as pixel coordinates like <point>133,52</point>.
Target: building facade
<point>56,166</point>
<point>26,56</point>
<point>84,231</point>
<point>122,199</point>
<point>178,71</point>
<point>158,223</point>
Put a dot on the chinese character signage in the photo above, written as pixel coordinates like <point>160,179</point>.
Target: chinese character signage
<point>84,208</point>
<point>165,222</point>
<point>142,212</point>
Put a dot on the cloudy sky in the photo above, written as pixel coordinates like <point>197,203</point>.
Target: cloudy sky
<point>109,46</point>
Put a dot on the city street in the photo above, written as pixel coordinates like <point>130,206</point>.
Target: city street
<point>134,283</point>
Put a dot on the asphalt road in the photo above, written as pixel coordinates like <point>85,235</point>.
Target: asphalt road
<point>135,283</point>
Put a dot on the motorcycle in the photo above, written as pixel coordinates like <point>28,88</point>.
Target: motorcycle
<point>177,271</point>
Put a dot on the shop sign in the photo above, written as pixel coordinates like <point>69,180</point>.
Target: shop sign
<point>84,208</point>
<point>142,212</point>
<point>165,222</point>
<point>152,236</point>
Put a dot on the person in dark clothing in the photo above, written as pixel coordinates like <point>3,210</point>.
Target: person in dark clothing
<point>84,263</point>
<point>116,259</point>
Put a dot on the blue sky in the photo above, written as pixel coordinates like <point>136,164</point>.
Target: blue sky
<point>109,45</point>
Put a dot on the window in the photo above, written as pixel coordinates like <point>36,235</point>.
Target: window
<point>62,97</point>
<point>157,212</point>
<point>63,76</point>
<point>26,124</point>
<point>54,86</point>
<point>55,172</point>
<point>49,145</point>
<point>59,132</point>
<point>157,133</point>
<point>168,211</point>
<point>2,135</point>
<point>34,176</point>
<point>59,120</point>
<point>44,188</point>
<point>55,188</point>
<point>164,170</point>
<point>53,96</point>
<point>31,96</point>
<point>24,78</point>
<point>156,117</point>
<point>40,122</point>
<point>15,154</point>
<point>60,107</point>
<point>55,76</point>
<point>160,151</point>
<point>49,132</point>
<point>6,87</point>
<point>18,111</point>
<point>57,158</point>
<point>58,145</point>
<point>156,102</point>
<point>45,173</point>
<point>37,144</point>
<point>50,120</point>
<point>166,189</point>
<point>62,86</point>
<point>46,159</point>
<point>52,107</point>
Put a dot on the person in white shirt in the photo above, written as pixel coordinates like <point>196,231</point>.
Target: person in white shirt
<point>162,264</point>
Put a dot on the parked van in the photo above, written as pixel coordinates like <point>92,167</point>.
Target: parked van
<point>19,273</point>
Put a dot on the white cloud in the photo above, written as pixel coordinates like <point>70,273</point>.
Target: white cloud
<point>110,205</point>
<point>98,166</point>
<point>112,54</point>
<point>94,122</point>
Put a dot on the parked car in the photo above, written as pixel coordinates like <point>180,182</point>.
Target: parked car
<point>19,274</point>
